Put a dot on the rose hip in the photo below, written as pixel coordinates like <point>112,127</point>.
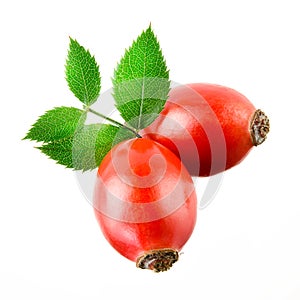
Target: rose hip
<point>210,127</point>
<point>145,203</point>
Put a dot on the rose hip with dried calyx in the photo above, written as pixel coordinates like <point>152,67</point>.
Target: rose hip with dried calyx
<point>210,127</point>
<point>145,203</point>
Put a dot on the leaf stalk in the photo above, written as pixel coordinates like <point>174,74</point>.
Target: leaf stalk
<point>88,109</point>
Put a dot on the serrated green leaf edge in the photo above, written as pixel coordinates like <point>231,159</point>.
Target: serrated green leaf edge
<point>82,73</point>
<point>87,148</point>
<point>140,83</point>
<point>59,151</point>
<point>56,124</point>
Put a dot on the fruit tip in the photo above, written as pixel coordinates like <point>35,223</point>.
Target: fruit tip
<point>259,127</point>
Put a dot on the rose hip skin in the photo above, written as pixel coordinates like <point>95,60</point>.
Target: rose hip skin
<point>210,127</point>
<point>145,203</point>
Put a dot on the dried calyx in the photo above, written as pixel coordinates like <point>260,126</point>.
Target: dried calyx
<point>158,260</point>
<point>259,127</point>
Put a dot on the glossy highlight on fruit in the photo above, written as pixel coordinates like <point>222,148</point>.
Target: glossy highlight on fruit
<point>210,127</point>
<point>145,203</point>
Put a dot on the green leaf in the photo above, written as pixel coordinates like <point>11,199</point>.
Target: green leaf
<point>87,148</point>
<point>56,124</point>
<point>82,73</point>
<point>60,150</point>
<point>141,81</point>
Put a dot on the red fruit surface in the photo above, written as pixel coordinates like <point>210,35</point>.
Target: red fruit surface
<point>145,202</point>
<point>208,126</point>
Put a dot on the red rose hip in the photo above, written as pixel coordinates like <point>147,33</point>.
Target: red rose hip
<point>145,203</point>
<point>210,127</point>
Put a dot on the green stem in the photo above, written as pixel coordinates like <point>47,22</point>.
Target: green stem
<point>112,121</point>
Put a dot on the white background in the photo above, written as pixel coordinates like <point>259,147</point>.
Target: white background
<point>246,243</point>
